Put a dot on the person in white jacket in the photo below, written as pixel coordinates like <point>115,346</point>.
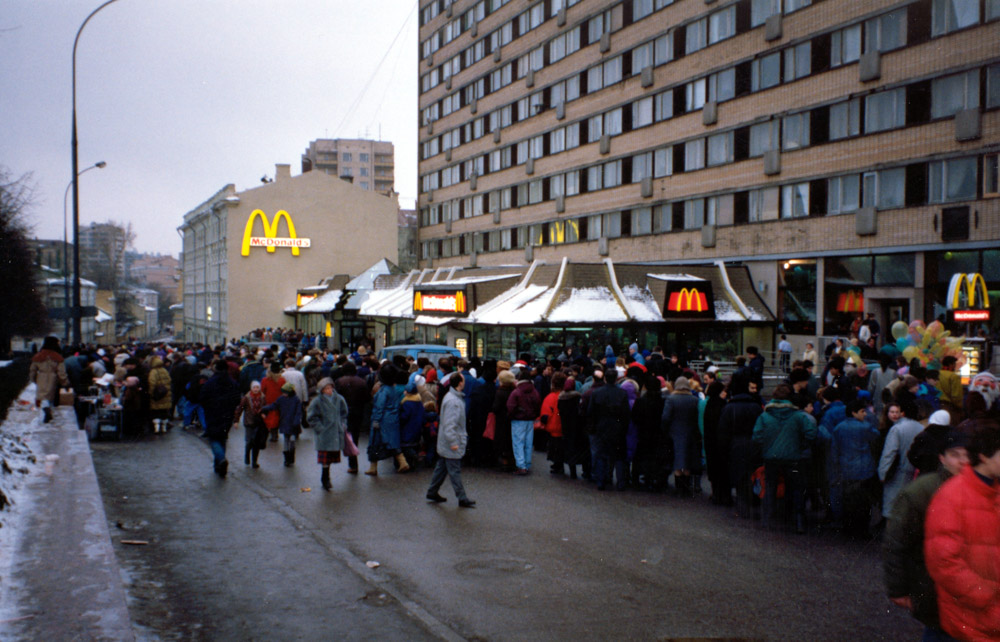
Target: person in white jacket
<point>451,441</point>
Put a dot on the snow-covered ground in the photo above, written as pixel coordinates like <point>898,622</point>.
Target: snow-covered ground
<point>16,458</point>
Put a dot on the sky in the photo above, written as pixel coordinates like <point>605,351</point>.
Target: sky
<point>182,97</point>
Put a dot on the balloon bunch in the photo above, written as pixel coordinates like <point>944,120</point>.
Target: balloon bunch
<point>928,343</point>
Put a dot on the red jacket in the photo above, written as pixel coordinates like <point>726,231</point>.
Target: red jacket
<point>962,552</point>
<point>550,409</point>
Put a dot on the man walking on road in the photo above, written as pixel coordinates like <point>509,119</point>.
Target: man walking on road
<point>219,397</point>
<point>451,441</point>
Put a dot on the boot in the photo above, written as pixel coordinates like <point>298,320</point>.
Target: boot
<point>246,455</point>
<point>372,469</point>
<point>325,479</point>
<point>291,456</point>
<point>253,458</point>
<point>401,462</point>
<point>48,415</point>
<point>288,459</point>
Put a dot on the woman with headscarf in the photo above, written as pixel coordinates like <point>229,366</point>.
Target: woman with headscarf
<point>715,462</point>
<point>680,423</point>
<point>48,372</point>
<point>160,397</point>
<point>328,419</point>
<point>271,386</point>
<point>502,441</point>
<point>647,413</point>
<point>254,429</point>
<point>383,442</point>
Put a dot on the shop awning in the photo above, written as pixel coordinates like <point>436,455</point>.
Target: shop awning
<point>322,304</point>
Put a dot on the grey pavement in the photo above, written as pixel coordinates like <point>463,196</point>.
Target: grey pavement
<point>254,557</point>
<point>62,580</point>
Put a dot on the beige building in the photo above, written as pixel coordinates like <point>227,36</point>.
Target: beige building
<point>369,164</point>
<point>844,152</point>
<point>245,253</point>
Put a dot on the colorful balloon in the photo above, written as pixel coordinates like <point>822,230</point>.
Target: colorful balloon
<point>899,329</point>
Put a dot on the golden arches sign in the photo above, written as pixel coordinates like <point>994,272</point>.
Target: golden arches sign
<point>970,285</point>
<point>271,240</point>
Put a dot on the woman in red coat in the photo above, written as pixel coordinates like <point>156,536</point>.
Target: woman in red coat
<point>553,424</point>
<point>962,543</point>
<point>271,385</point>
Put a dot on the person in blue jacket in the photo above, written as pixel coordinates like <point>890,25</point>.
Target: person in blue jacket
<point>384,441</point>
<point>853,468</point>
<point>289,409</point>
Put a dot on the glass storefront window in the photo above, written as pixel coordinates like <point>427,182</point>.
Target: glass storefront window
<point>798,298</point>
<point>895,269</point>
<point>951,263</point>
<point>849,270</point>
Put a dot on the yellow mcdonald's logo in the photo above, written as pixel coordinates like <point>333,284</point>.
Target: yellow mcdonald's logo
<point>687,300</point>
<point>271,240</point>
<point>970,285</point>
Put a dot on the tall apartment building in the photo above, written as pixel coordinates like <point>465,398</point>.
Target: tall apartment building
<point>369,164</point>
<point>845,152</point>
<point>102,254</point>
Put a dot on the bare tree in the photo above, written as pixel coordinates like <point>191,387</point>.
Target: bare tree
<point>23,311</point>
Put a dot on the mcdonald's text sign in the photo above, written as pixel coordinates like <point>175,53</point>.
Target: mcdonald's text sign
<point>450,303</point>
<point>689,299</point>
<point>271,240</point>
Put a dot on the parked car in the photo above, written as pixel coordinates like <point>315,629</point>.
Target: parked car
<point>417,350</point>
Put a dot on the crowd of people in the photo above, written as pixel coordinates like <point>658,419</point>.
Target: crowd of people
<point>847,445</point>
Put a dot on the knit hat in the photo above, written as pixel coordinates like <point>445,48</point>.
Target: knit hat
<point>288,388</point>
<point>954,439</point>
<point>411,388</point>
<point>940,418</point>
<point>682,384</point>
<point>323,383</point>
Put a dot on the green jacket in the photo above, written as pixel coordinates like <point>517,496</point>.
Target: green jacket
<point>903,547</point>
<point>784,432</point>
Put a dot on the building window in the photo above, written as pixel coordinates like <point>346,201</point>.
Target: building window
<point>766,72</point>
<point>952,180</point>
<point>642,112</point>
<point>951,15</point>
<point>642,166</point>
<point>795,131</point>
<point>594,174</point>
<point>889,185</point>
<point>363,158</point>
<point>613,225</point>
<point>886,32</point>
<point>991,185</point>
<point>694,95</point>
<point>663,162</point>
<point>842,194</point>
<point>722,85</point>
<point>642,57</point>
<point>642,221</point>
<point>557,185</point>
<point>557,140</point>
<point>885,110</point>
<point>534,192</point>
<point>663,48</point>
<point>952,94</point>
<point>798,61</point>
<point>363,171</point>
<point>993,86</point>
<point>694,154</point>
<point>594,227</point>
<point>613,122</point>
<point>720,148</point>
<point>763,138</point>
<point>572,183</point>
<point>694,36</point>
<point>613,174</point>
<point>761,10</point>
<point>795,200</point>
<point>763,204</point>
<point>845,119</point>
<point>722,25</point>
<point>346,171</point>
<point>346,157</point>
<point>694,214</point>
<point>664,104</point>
<point>537,145</point>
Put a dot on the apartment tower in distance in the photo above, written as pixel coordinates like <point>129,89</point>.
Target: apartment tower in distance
<point>845,152</point>
<point>369,164</point>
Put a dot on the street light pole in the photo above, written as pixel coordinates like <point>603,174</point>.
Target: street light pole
<point>77,339</point>
<point>65,261</point>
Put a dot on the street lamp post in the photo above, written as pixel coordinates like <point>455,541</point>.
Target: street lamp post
<point>77,339</point>
<point>65,261</point>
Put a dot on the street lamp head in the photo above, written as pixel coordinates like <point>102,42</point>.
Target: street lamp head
<point>100,164</point>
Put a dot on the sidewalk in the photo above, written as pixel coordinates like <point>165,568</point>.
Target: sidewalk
<point>59,579</point>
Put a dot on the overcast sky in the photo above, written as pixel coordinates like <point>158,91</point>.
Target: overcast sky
<point>181,97</point>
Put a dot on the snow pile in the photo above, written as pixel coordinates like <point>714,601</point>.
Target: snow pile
<point>16,457</point>
<point>589,305</point>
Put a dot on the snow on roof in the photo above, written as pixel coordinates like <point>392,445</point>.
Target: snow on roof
<point>423,319</point>
<point>366,280</point>
<point>290,309</point>
<point>313,288</point>
<point>588,305</point>
<point>102,316</point>
<point>323,303</point>
<point>724,311</point>
<point>517,307</point>
<point>148,309</point>
<point>177,306</point>
<point>642,305</point>
<point>675,277</point>
<point>466,280</point>
<point>60,281</point>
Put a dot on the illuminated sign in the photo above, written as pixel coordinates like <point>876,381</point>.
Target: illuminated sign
<point>971,315</point>
<point>970,285</point>
<point>271,240</point>
<point>302,299</point>
<point>690,299</point>
<point>452,303</point>
<point>851,301</point>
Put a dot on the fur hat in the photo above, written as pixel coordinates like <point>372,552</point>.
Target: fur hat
<point>323,383</point>
<point>682,384</point>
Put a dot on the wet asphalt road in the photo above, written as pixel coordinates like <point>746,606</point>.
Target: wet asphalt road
<point>540,558</point>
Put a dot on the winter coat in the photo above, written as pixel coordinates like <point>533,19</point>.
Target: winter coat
<point>502,439</point>
<point>219,397</point>
<point>47,372</point>
<point>480,404</point>
<point>327,417</point>
<point>289,411</point>
<point>524,404</point>
<point>355,392</point>
<point>576,443</point>
<point>159,376</point>
<point>950,384</point>
<point>647,415</point>
<point>783,432</point>
<point>252,421</point>
<point>385,414</point>
<point>850,450</point>
<point>607,414</point>
<point>736,424</point>
<point>877,383</point>
<point>631,442</point>
<point>411,419</point>
<point>710,417</point>
<point>272,392</point>
<point>252,371</point>
<point>961,544</point>
<point>550,415</point>
<point>894,468</point>
<point>297,379</point>
<point>680,423</point>
<point>903,547</point>
<point>926,446</point>
<point>451,430</point>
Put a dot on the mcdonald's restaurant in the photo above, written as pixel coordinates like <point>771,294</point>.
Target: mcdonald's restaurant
<point>246,253</point>
<point>542,308</point>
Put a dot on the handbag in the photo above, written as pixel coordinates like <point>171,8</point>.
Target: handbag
<point>490,431</point>
<point>350,449</point>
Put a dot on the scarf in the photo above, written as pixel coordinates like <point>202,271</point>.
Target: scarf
<point>256,401</point>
